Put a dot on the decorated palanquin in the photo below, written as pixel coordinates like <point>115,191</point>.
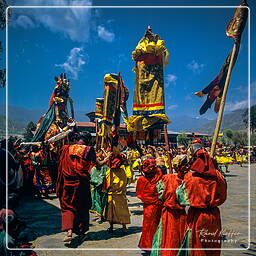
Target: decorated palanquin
<point>151,56</point>
<point>56,118</point>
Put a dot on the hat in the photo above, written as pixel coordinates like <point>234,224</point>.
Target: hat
<point>160,161</point>
<point>148,166</point>
<point>204,164</point>
<point>177,160</point>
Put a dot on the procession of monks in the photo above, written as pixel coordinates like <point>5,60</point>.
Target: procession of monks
<point>190,180</point>
<point>180,190</point>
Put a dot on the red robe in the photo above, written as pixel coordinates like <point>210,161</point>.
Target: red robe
<point>173,218</point>
<point>152,206</point>
<point>28,173</point>
<point>206,190</point>
<point>73,187</point>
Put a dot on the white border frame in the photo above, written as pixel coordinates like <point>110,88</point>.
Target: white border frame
<point>249,119</point>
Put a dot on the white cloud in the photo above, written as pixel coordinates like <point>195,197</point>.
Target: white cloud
<point>25,22</point>
<point>106,35</point>
<point>110,21</point>
<point>232,106</point>
<point>172,106</point>
<point>170,78</point>
<point>74,23</point>
<point>195,66</point>
<point>74,62</point>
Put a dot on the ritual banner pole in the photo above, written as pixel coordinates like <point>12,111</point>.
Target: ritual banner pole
<point>167,147</point>
<point>97,136</point>
<point>102,141</point>
<point>166,138</point>
<point>223,100</point>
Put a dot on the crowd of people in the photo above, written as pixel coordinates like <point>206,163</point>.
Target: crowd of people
<point>16,235</point>
<point>226,156</point>
<point>88,180</point>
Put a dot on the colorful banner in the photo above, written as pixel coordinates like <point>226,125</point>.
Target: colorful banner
<point>99,107</point>
<point>148,103</point>
<point>114,105</point>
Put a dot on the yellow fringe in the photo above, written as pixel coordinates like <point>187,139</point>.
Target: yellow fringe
<point>147,46</point>
<point>109,79</point>
<point>104,130</point>
<point>139,123</point>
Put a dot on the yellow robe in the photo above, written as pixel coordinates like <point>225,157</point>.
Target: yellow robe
<point>117,211</point>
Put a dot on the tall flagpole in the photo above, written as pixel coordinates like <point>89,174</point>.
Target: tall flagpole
<point>223,98</point>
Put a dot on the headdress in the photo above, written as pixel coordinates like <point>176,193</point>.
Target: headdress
<point>148,166</point>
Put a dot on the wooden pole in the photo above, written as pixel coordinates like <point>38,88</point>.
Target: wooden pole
<point>223,100</point>
<point>117,110</point>
<point>102,141</point>
<point>97,136</point>
<point>167,146</point>
<point>166,138</point>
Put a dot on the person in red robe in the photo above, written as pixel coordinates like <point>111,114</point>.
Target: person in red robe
<point>73,186</point>
<point>28,172</point>
<point>152,206</point>
<point>204,189</point>
<point>172,224</point>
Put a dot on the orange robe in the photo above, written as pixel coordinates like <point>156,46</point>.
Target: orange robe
<point>173,218</point>
<point>203,192</point>
<point>152,206</point>
<point>73,187</point>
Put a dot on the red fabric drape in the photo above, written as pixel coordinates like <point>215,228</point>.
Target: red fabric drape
<point>149,58</point>
<point>205,192</point>
<point>204,164</point>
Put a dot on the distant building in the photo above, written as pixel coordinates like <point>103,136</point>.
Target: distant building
<point>91,128</point>
<point>158,139</point>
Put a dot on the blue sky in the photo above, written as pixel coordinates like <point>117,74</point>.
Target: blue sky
<point>88,43</point>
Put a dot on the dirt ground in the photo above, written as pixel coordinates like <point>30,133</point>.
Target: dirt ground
<point>44,223</point>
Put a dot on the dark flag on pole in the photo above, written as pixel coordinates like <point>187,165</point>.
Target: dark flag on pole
<point>215,88</point>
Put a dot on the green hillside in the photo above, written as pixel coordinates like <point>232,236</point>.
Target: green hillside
<point>232,120</point>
